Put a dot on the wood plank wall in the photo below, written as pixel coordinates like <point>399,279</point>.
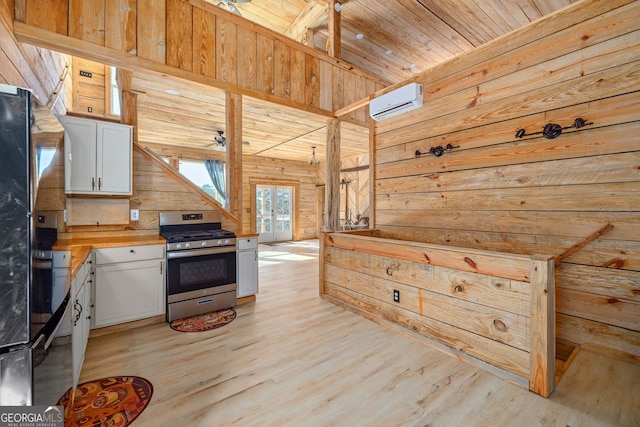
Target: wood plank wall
<point>89,93</point>
<point>199,41</point>
<point>46,72</point>
<point>301,176</point>
<point>533,195</point>
<point>154,190</point>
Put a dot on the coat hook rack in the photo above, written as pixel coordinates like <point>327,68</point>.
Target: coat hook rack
<point>553,130</point>
<point>437,150</point>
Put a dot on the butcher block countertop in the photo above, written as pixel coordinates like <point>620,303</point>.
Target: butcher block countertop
<point>109,242</point>
<point>81,248</point>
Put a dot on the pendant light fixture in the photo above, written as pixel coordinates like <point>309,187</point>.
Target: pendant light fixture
<point>313,160</point>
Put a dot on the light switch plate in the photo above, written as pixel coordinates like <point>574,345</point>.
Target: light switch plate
<point>135,214</point>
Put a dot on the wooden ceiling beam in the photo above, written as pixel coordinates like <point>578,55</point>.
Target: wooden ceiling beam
<point>309,17</point>
<point>334,29</point>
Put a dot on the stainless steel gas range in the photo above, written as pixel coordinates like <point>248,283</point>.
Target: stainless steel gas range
<point>201,263</point>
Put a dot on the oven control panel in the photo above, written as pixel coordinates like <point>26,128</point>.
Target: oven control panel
<point>192,217</point>
<point>200,244</point>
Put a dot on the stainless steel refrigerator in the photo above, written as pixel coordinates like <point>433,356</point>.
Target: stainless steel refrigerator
<point>28,321</point>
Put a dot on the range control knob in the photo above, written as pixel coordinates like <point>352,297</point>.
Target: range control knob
<point>203,244</point>
<point>178,245</point>
<point>219,242</point>
<point>187,245</point>
<point>226,242</point>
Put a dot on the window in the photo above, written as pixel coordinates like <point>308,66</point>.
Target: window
<point>196,172</point>
<point>114,92</point>
<point>45,157</point>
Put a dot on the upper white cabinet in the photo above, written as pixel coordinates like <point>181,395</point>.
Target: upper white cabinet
<point>98,156</point>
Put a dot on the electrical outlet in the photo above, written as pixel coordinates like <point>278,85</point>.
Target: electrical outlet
<point>135,214</point>
<point>90,109</point>
<point>396,295</point>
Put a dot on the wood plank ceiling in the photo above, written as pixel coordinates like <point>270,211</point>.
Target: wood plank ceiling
<point>398,39</point>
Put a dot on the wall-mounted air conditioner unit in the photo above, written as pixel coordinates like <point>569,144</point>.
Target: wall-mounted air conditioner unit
<point>398,101</point>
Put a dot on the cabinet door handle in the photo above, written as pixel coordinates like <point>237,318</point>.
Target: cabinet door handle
<point>79,312</point>
<point>93,184</point>
<point>161,265</point>
<point>99,183</point>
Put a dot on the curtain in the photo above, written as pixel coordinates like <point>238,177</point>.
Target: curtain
<point>215,168</point>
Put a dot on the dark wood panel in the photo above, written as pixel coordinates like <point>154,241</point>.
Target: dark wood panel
<point>87,21</point>
<point>226,50</point>
<point>51,15</point>
<point>247,58</point>
<point>312,73</point>
<point>179,34</point>
<point>204,43</point>
<point>282,70</point>
<point>265,64</point>
<point>120,25</point>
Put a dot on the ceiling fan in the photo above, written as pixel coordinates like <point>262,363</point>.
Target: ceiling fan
<point>230,5</point>
<point>219,141</point>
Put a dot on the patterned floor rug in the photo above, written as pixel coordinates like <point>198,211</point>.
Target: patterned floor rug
<point>113,401</point>
<point>204,322</point>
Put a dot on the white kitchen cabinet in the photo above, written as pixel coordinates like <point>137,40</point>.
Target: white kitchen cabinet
<point>98,157</point>
<point>79,313</point>
<point>247,265</point>
<point>129,284</point>
<point>61,271</point>
<point>88,302</point>
<point>79,324</point>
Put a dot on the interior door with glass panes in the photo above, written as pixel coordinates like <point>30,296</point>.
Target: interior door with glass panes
<point>274,213</point>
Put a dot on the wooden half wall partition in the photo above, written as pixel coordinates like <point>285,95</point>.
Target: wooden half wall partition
<point>492,309</point>
<point>197,41</point>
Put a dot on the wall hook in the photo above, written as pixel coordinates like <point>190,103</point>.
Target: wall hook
<point>437,150</point>
<point>553,130</point>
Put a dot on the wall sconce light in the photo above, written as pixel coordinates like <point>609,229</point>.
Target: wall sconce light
<point>337,7</point>
<point>437,151</point>
<point>313,160</point>
<point>553,130</point>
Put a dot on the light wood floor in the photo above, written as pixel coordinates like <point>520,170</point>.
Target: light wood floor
<point>292,359</point>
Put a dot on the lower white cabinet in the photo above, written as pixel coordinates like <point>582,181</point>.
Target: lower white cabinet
<point>247,274</point>
<point>80,311</point>
<point>60,273</point>
<point>129,284</point>
<point>81,321</point>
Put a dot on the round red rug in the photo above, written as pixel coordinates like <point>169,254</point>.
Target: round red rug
<point>113,401</point>
<point>204,322</point>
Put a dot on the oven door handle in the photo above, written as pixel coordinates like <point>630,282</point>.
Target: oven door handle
<point>197,252</point>
<point>42,264</point>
